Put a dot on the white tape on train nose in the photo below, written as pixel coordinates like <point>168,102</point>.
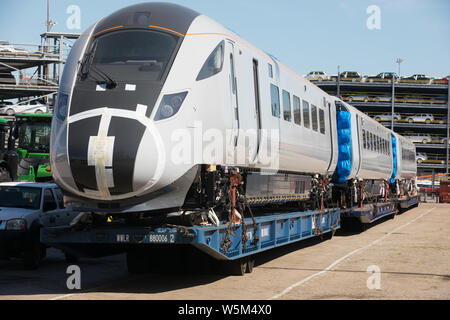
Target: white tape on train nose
<point>130,87</point>
<point>100,150</point>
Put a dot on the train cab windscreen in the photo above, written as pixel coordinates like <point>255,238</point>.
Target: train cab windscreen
<point>129,55</point>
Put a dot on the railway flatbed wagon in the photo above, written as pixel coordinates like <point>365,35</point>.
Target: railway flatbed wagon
<point>235,245</point>
<point>407,202</point>
<point>371,212</point>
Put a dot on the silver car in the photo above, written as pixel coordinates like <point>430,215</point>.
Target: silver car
<point>420,138</point>
<point>25,208</point>
<point>423,117</point>
<point>387,117</point>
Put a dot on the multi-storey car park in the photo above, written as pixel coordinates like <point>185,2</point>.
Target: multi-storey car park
<point>420,108</point>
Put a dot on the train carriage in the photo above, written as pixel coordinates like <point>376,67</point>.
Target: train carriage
<point>163,110</point>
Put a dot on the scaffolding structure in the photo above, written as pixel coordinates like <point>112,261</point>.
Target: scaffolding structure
<point>29,71</point>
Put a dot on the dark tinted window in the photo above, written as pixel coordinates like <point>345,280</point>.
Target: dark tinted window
<point>275,100</point>
<point>270,71</point>
<point>286,106</point>
<point>59,197</point>
<point>20,197</point>
<point>49,201</point>
<point>297,111</point>
<point>322,121</point>
<point>314,117</point>
<point>306,114</point>
<point>364,139</point>
<point>131,55</point>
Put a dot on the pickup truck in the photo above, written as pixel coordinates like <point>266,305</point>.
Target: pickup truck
<point>24,209</point>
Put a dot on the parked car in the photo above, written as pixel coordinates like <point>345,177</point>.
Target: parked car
<point>421,78</point>
<point>358,98</point>
<point>443,140</point>
<point>420,157</point>
<point>4,104</point>
<point>387,117</point>
<point>425,186</point>
<point>317,75</point>
<point>10,48</point>
<point>423,117</point>
<point>34,106</point>
<point>440,81</point>
<point>26,207</point>
<point>350,76</point>
<point>382,77</point>
<point>381,99</point>
<point>419,138</point>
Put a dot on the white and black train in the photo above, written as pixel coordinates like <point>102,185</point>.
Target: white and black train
<point>162,110</point>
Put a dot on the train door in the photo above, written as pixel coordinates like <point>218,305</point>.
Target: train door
<point>333,137</point>
<point>233,95</point>
<point>257,114</point>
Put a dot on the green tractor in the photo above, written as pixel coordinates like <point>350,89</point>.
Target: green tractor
<point>28,149</point>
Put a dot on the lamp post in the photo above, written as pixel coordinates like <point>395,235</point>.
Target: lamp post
<point>448,123</point>
<point>399,61</point>
<point>338,85</point>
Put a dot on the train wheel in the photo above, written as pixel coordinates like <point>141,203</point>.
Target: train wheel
<point>250,265</point>
<point>236,267</point>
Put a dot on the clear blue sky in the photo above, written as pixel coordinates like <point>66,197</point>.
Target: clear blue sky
<point>305,35</point>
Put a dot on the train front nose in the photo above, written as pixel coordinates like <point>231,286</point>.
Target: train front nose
<point>112,156</point>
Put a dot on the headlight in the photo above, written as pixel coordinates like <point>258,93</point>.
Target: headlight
<point>170,104</point>
<point>61,106</point>
<point>16,224</point>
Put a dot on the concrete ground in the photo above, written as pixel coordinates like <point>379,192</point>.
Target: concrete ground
<point>403,258</point>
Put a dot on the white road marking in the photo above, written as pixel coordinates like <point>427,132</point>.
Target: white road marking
<point>288,289</point>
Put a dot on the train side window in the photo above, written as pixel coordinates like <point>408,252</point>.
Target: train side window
<point>364,138</point>
<point>306,114</point>
<point>287,114</point>
<point>378,144</point>
<point>297,111</point>
<point>270,70</point>
<point>275,96</point>
<point>314,117</point>
<point>371,141</point>
<point>374,143</point>
<point>322,121</point>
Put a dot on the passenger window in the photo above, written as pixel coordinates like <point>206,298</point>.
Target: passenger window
<point>322,121</point>
<point>364,139</point>
<point>371,141</point>
<point>49,201</point>
<point>297,111</point>
<point>306,114</point>
<point>59,197</point>
<point>270,70</point>
<point>287,106</point>
<point>314,117</point>
<point>275,96</point>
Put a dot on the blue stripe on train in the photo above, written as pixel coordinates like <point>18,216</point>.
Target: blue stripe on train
<point>344,132</point>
